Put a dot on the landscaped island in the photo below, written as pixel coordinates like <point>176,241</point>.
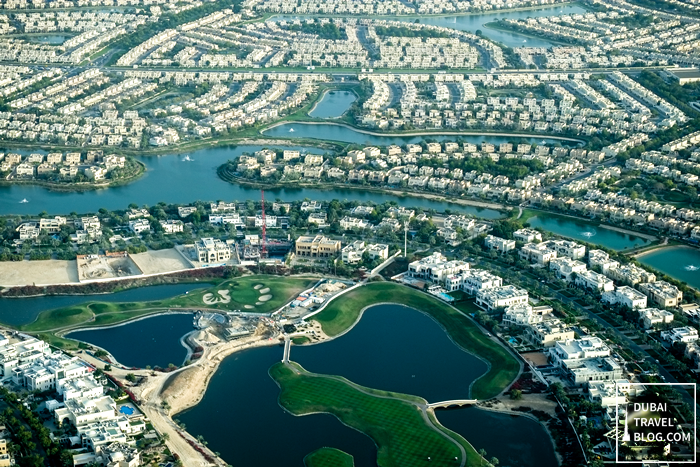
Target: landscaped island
<point>405,432</point>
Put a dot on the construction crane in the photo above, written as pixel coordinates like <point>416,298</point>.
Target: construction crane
<point>263,248</point>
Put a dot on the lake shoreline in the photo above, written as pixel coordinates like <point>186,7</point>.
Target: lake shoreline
<point>411,133</point>
<point>331,186</point>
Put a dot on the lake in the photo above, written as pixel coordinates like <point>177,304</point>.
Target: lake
<point>153,341</point>
<point>585,231</point>
<point>392,347</point>
<point>333,104</point>
<point>479,427</point>
<point>185,178</point>
<point>20,311</point>
<point>679,262</point>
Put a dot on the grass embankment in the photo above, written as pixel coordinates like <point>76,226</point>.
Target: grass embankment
<point>394,421</point>
<point>328,457</point>
<point>243,293</point>
<point>344,311</point>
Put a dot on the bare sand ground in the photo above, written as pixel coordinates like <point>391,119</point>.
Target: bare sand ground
<point>160,261</point>
<point>14,273</point>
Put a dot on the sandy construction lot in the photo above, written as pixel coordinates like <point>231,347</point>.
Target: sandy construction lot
<point>160,261</point>
<point>47,272</point>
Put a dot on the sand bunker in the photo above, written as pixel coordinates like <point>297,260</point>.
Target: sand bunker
<point>258,286</point>
<point>248,306</point>
<point>265,290</point>
<point>258,303</point>
<point>210,299</point>
<point>264,298</point>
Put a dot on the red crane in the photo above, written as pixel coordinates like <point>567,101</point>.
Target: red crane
<point>263,249</point>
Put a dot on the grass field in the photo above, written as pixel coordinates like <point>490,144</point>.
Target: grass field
<point>340,314</point>
<point>241,295</point>
<point>394,421</point>
<point>328,457</point>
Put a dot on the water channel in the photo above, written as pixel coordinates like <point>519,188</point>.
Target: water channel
<point>679,262</point>
<point>477,22</point>
<point>185,178</point>
<point>346,134</point>
<point>585,231</point>
<point>20,311</point>
<point>158,339</point>
<point>474,23</point>
<point>333,104</point>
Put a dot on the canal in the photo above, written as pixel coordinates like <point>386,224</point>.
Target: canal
<point>477,22</point>
<point>474,23</point>
<point>585,231</point>
<point>679,262</point>
<point>346,134</point>
<point>184,178</point>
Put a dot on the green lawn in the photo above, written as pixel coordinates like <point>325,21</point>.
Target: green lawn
<point>328,457</point>
<point>241,292</point>
<point>344,311</point>
<point>394,421</point>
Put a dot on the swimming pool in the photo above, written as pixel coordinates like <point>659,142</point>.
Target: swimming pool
<point>126,410</point>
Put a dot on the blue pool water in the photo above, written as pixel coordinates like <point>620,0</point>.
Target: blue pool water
<point>126,410</point>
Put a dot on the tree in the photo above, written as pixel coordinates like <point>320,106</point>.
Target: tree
<point>482,453</point>
<point>131,377</point>
<point>494,461</point>
<point>516,394</point>
<point>100,353</point>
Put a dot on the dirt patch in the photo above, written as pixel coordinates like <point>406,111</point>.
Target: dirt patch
<point>160,261</point>
<point>177,386</point>
<point>537,358</point>
<point>14,273</point>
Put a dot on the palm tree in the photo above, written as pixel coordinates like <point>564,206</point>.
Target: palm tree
<point>482,453</point>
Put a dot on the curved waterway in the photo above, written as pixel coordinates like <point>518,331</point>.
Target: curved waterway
<point>474,23</point>
<point>333,104</point>
<point>20,311</point>
<point>187,177</point>
<point>585,231</point>
<point>346,134</point>
<point>477,22</point>
<point>392,347</point>
<point>679,262</point>
<point>154,340</point>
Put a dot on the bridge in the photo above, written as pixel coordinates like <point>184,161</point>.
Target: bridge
<point>452,403</point>
<point>287,349</point>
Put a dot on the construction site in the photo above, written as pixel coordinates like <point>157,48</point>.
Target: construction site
<point>105,267</point>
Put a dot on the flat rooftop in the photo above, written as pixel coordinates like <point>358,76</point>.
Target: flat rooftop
<point>687,73</point>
